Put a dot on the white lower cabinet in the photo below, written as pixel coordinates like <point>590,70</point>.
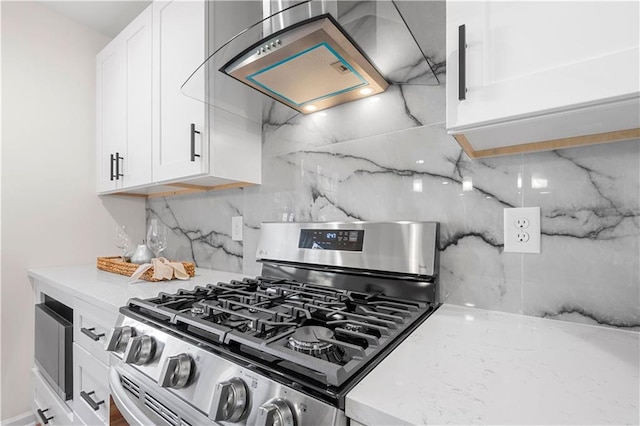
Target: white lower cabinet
<point>47,406</point>
<point>90,388</point>
<point>90,402</point>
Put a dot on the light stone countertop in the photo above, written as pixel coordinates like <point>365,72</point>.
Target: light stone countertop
<point>111,291</point>
<point>461,366</point>
<point>473,366</point>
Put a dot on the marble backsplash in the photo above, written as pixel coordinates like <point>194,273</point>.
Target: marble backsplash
<point>389,158</point>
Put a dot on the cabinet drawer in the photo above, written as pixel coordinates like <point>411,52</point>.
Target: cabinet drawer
<point>51,406</point>
<point>89,323</point>
<point>90,388</point>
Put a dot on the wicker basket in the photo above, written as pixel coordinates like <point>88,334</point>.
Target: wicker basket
<point>117,266</point>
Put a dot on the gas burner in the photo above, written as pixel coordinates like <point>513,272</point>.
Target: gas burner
<point>198,309</point>
<point>308,340</point>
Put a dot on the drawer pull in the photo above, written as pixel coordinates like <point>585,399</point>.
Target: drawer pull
<point>45,419</point>
<point>89,332</point>
<point>87,397</point>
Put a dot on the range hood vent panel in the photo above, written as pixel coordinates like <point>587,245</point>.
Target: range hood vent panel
<point>316,74</point>
<point>310,67</point>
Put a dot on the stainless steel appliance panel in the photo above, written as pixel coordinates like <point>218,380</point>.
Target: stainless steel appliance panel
<point>399,247</point>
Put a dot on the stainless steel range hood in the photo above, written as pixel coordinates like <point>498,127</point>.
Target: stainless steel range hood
<point>310,66</point>
<point>310,56</point>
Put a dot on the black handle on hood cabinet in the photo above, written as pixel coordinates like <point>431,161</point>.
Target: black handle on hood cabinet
<point>193,142</point>
<point>111,166</point>
<point>462,63</point>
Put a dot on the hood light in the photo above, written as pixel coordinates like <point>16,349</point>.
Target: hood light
<point>310,108</point>
<point>366,91</point>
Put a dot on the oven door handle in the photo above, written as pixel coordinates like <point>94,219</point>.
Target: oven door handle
<point>132,414</point>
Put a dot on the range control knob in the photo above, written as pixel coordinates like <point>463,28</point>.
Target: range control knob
<point>118,338</point>
<point>275,412</point>
<point>229,400</point>
<point>176,371</point>
<point>140,350</point>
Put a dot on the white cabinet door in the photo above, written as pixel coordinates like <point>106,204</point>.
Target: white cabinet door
<point>179,48</point>
<point>110,115</point>
<point>90,388</point>
<point>525,59</point>
<point>123,120</point>
<point>136,44</point>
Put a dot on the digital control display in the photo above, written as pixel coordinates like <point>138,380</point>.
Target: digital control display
<point>331,239</point>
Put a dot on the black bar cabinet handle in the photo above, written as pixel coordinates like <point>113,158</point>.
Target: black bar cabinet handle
<point>118,158</point>
<point>112,158</point>
<point>89,332</point>
<point>87,397</point>
<point>462,63</point>
<point>193,142</point>
<point>45,419</point>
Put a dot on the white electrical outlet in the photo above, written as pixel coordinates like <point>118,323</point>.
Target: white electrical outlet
<point>236,228</point>
<point>522,230</point>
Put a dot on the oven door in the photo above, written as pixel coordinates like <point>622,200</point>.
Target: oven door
<point>142,402</point>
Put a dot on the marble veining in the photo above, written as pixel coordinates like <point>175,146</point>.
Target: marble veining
<point>208,245</point>
<point>390,158</point>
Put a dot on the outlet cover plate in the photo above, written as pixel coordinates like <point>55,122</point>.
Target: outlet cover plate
<point>236,228</point>
<point>512,220</point>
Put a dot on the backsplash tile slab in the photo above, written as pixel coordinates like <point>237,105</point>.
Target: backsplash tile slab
<point>400,107</point>
<point>589,265</point>
<point>200,228</point>
<point>588,268</point>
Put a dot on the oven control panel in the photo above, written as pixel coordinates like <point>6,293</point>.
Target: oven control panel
<point>331,239</point>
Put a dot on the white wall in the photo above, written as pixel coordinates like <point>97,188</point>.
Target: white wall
<point>50,213</point>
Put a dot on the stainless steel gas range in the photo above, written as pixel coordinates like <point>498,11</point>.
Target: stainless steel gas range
<point>283,348</point>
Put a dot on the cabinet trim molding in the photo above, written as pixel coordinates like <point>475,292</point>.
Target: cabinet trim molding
<point>574,141</point>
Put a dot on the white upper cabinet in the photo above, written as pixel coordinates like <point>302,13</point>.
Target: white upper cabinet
<point>542,75</point>
<point>180,127</point>
<point>123,81</point>
<point>198,141</point>
<point>152,137</point>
